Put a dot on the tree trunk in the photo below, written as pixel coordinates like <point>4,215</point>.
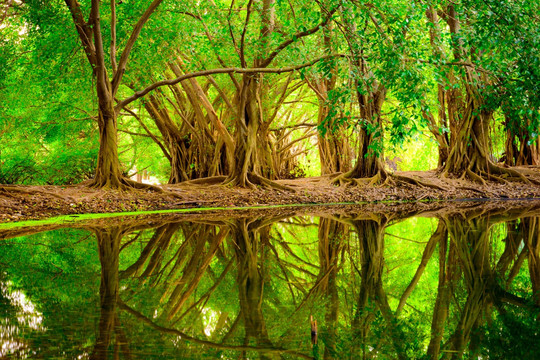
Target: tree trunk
<point>108,169</point>
<point>370,139</point>
<point>438,127</point>
<point>250,279</point>
<point>448,275</point>
<point>532,227</point>
<point>247,126</point>
<point>371,95</point>
<point>473,251</point>
<point>372,295</point>
<point>470,151</point>
<point>520,150</point>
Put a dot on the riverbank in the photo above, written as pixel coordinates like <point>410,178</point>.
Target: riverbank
<point>19,203</point>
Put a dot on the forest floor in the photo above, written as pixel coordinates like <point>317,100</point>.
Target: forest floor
<point>18,203</point>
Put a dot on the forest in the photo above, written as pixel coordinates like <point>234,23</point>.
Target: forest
<point>273,179</point>
<point>422,95</point>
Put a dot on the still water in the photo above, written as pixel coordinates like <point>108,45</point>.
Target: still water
<point>355,286</point>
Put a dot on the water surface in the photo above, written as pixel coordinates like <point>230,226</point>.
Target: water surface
<point>373,286</point>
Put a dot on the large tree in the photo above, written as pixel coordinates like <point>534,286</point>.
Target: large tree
<point>108,78</point>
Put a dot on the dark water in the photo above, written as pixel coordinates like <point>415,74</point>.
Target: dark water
<point>377,287</point>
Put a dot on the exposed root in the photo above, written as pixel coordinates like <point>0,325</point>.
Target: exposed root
<point>252,180</point>
<point>383,179</point>
<point>411,180</point>
<point>474,177</point>
<point>347,179</point>
<point>126,184</point>
<point>259,180</point>
<point>6,190</point>
<point>212,180</point>
<point>493,172</point>
<point>235,182</point>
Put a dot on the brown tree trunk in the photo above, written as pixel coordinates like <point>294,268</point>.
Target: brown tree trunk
<point>246,136</point>
<point>177,144</point>
<point>372,295</point>
<point>438,127</point>
<point>448,275</point>
<point>370,139</point>
<point>469,120</point>
<point>333,145</point>
<point>532,227</point>
<point>473,249</point>
<point>108,169</point>
<point>520,150</point>
<point>371,95</point>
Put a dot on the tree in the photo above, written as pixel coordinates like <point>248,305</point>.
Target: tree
<point>108,80</point>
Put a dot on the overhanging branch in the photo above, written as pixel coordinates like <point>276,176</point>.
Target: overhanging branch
<point>230,70</point>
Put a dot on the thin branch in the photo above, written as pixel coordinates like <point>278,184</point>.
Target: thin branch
<point>297,36</point>
<point>243,37</point>
<point>114,65</point>
<point>131,41</point>
<point>82,29</point>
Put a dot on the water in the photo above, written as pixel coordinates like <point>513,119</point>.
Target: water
<point>377,286</point>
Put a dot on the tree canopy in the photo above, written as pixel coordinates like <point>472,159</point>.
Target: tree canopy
<point>260,90</point>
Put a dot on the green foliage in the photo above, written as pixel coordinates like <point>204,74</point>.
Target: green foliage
<point>379,42</point>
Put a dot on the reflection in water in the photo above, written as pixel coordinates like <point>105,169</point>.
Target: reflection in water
<point>461,286</point>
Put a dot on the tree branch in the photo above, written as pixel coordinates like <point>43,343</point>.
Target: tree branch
<point>113,37</point>
<point>297,36</point>
<point>243,37</point>
<point>131,41</point>
<point>82,29</point>
<point>237,70</point>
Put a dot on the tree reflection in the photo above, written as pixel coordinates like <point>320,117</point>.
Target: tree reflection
<point>246,288</point>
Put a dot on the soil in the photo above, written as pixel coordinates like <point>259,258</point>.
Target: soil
<point>18,203</point>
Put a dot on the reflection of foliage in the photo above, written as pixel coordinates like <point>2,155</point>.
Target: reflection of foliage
<point>57,272</point>
<point>423,288</point>
<point>513,334</point>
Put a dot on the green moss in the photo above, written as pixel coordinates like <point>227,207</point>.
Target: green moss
<point>82,217</point>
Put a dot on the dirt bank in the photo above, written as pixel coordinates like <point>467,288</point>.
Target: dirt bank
<point>19,203</point>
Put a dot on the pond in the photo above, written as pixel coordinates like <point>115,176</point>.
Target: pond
<point>453,283</point>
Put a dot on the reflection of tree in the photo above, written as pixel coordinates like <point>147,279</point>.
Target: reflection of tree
<point>190,263</point>
<point>331,243</point>
<point>448,274</point>
<point>372,296</point>
<point>249,253</point>
<point>512,253</point>
<point>109,249</point>
<point>473,253</point>
<point>180,281</point>
<point>532,244</point>
<point>471,237</point>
